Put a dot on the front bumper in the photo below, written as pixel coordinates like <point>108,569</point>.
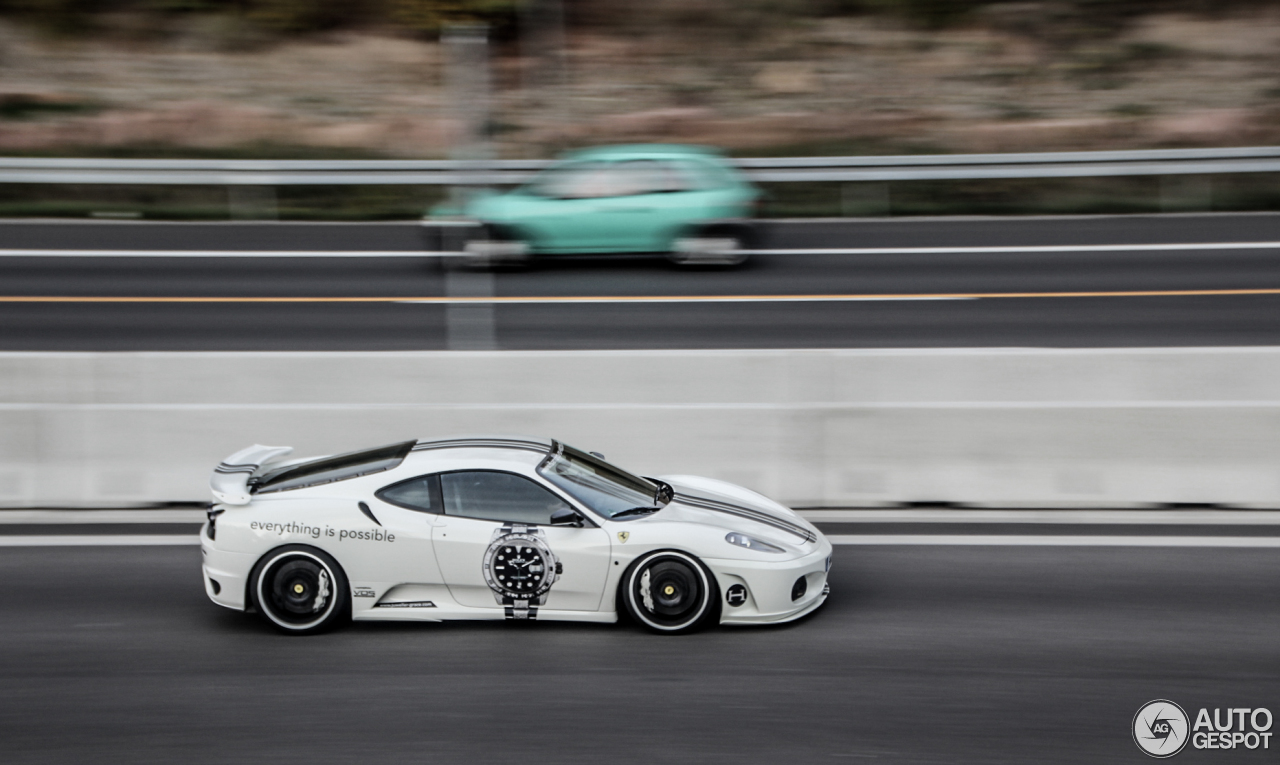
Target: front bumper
<point>769,587</point>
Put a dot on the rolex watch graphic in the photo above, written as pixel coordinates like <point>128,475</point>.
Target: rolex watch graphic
<point>520,568</point>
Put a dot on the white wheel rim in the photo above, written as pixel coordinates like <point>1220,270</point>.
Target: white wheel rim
<point>695,565</point>
<point>262,601</point>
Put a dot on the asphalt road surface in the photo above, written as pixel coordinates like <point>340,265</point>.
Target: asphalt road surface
<point>921,655</point>
<point>1215,293</point>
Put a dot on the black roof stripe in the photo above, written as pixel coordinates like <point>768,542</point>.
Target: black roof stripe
<point>540,447</point>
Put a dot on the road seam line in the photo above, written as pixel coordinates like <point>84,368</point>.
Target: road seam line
<point>1001,540</point>
<point>1052,248</point>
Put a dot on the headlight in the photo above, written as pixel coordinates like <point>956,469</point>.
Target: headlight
<point>742,540</point>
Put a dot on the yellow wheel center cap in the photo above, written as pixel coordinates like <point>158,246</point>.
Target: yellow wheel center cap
<point>298,588</point>
<point>670,590</point>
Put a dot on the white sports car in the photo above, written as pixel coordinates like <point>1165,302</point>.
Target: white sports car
<point>499,528</point>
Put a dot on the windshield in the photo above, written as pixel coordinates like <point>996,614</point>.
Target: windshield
<point>595,483</point>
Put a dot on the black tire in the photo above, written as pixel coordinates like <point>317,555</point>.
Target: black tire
<point>670,593</point>
<point>734,237</point>
<point>484,249</point>
<point>300,590</point>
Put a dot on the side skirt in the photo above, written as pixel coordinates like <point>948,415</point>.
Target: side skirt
<point>478,614</point>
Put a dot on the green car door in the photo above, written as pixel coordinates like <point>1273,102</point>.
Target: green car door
<point>559,211</point>
<point>652,205</point>
<point>604,206</point>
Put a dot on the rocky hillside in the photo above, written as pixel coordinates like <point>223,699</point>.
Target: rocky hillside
<point>1004,80</point>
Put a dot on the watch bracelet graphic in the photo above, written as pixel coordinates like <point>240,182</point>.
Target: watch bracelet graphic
<point>516,604</point>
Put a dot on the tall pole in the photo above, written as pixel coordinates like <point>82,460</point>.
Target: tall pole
<point>468,326</point>
<point>467,79</point>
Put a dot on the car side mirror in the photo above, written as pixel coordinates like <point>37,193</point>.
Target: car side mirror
<point>566,518</point>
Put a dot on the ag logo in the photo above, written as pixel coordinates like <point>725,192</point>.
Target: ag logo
<point>1160,728</point>
<point>623,536</point>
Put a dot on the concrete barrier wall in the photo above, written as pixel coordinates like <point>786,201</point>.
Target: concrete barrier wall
<point>1001,427</point>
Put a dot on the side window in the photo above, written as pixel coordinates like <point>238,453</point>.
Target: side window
<point>704,176</point>
<point>495,496</point>
<point>421,494</point>
<point>578,180</point>
<point>646,176</point>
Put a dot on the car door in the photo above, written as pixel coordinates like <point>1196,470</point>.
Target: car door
<point>648,207</point>
<point>562,206</point>
<point>479,504</point>
<point>406,510</point>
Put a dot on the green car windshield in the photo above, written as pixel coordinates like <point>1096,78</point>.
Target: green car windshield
<point>606,489</point>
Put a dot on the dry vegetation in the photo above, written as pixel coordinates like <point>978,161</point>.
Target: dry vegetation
<point>1009,77</point>
<point>752,76</point>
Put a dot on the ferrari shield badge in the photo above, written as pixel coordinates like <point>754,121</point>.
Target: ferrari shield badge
<point>623,536</point>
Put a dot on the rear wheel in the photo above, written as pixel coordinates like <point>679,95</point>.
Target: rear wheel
<point>300,590</point>
<point>493,247</point>
<point>719,245</point>
<point>670,593</point>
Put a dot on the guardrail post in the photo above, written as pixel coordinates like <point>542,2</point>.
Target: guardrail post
<point>469,326</point>
<point>867,199</point>
<point>252,202</point>
<point>1185,193</point>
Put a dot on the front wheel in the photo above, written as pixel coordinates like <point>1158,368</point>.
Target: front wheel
<point>300,590</point>
<point>670,593</point>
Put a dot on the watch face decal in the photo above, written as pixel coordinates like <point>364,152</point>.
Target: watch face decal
<point>519,565</point>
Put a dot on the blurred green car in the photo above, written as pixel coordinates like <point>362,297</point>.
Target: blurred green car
<point>685,202</point>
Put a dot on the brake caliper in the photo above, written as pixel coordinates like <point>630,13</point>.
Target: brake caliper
<point>322,594</point>
<point>644,590</point>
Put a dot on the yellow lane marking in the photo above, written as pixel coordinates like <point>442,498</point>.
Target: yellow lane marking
<point>637,298</point>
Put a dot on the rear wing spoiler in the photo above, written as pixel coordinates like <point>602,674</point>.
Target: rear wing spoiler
<point>230,481</point>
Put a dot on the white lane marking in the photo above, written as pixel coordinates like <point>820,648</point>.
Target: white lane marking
<point>814,515</point>
<point>815,406</point>
<point>19,253</point>
<point>73,517</point>
<point>1095,516</point>
<point>1026,540</point>
<point>1181,246</point>
<point>942,516</point>
<point>99,540</point>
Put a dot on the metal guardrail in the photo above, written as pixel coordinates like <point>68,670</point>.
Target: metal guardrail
<point>196,172</point>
